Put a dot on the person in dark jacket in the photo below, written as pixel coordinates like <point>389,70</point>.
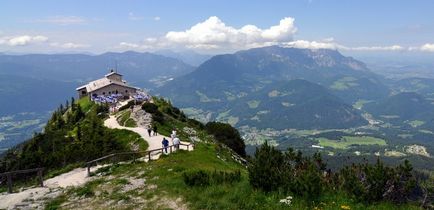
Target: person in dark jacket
<point>155,130</point>
<point>165,143</point>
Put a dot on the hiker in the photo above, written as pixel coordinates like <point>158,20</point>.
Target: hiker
<point>176,143</point>
<point>165,143</point>
<point>149,131</point>
<point>155,130</point>
<point>173,135</point>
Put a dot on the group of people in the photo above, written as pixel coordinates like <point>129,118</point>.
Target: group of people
<point>152,129</point>
<point>175,141</point>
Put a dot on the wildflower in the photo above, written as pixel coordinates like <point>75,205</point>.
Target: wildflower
<point>345,207</point>
<point>286,201</point>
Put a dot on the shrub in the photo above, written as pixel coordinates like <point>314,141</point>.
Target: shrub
<point>228,135</point>
<point>205,178</point>
<point>127,106</point>
<point>265,169</point>
<point>196,178</point>
<point>153,110</point>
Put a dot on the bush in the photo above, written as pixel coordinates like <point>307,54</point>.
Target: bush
<point>196,178</point>
<point>151,108</point>
<point>265,169</point>
<point>127,106</point>
<point>205,178</point>
<point>228,135</point>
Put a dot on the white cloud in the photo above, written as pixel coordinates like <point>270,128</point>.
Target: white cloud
<point>68,45</point>
<point>62,20</point>
<point>214,33</point>
<point>376,48</point>
<point>329,44</point>
<point>22,40</point>
<point>303,44</point>
<point>428,47</point>
<point>157,18</point>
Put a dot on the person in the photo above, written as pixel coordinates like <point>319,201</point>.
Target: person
<point>165,143</point>
<point>176,143</point>
<point>149,131</point>
<point>173,135</point>
<point>155,130</point>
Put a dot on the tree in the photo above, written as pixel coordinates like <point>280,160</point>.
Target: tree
<point>228,135</point>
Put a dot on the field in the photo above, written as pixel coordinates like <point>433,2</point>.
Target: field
<point>348,141</point>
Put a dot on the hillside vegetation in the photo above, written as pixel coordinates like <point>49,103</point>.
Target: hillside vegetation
<point>75,133</point>
<point>272,180</point>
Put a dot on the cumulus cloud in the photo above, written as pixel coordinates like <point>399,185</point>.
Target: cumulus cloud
<point>62,20</point>
<point>329,44</point>
<point>22,40</point>
<point>213,33</point>
<point>68,45</point>
<point>157,18</point>
<point>428,47</point>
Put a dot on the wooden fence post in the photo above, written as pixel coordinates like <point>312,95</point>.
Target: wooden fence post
<point>171,148</point>
<point>9,177</point>
<point>88,169</point>
<point>149,153</point>
<point>41,179</point>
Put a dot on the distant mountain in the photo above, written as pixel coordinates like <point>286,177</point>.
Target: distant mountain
<point>295,104</point>
<point>223,80</point>
<point>403,106</point>
<point>188,56</point>
<point>140,69</point>
<point>27,94</point>
<point>423,86</point>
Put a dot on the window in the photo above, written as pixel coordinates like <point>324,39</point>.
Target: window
<point>103,93</point>
<point>126,91</point>
<point>83,92</point>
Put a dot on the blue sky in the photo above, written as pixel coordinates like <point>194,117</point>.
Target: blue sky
<point>98,26</point>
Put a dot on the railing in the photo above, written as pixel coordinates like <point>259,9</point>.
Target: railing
<point>9,175</point>
<point>147,153</point>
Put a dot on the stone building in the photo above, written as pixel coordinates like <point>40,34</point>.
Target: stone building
<point>112,83</point>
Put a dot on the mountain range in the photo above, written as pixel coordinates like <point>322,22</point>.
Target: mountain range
<point>251,78</point>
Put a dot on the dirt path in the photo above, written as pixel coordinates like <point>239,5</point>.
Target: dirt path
<point>34,198</point>
<point>154,142</point>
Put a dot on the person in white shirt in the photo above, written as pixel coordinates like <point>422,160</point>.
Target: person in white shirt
<point>176,143</point>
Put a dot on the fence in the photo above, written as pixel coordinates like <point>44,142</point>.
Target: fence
<point>10,174</point>
<point>115,157</point>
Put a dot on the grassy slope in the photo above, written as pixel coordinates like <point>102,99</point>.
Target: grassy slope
<point>347,141</point>
<point>164,188</point>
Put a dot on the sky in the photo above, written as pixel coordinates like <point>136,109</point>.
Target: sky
<point>98,26</point>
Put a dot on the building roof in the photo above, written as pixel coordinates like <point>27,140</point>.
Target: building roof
<point>111,73</point>
<point>100,83</point>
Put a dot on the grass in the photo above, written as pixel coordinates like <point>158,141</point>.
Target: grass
<point>55,203</point>
<point>124,119</point>
<point>166,175</point>
<point>63,170</point>
<point>127,138</point>
<point>85,104</point>
<point>348,141</point>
